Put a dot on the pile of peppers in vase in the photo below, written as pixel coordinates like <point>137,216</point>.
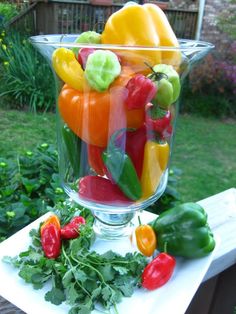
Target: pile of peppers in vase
<point>117,105</point>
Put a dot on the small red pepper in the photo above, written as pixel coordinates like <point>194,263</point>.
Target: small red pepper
<point>83,56</point>
<point>158,271</point>
<point>158,120</point>
<point>95,159</point>
<point>141,90</point>
<point>71,230</point>
<point>101,190</point>
<point>51,237</point>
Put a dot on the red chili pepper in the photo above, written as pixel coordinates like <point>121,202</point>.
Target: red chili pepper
<point>134,142</point>
<point>158,271</point>
<point>158,120</point>
<point>51,237</point>
<point>141,90</point>
<point>101,190</point>
<point>95,159</point>
<point>83,56</point>
<point>71,230</point>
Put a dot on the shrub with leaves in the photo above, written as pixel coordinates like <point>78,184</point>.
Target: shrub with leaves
<point>26,79</point>
<point>7,12</point>
<point>210,88</point>
<point>28,184</point>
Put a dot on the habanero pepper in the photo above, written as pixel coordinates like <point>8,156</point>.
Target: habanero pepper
<point>145,239</point>
<point>71,230</point>
<point>101,190</point>
<point>86,112</point>
<point>141,90</point>
<point>185,231</point>
<point>50,237</point>
<point>158,120</point>
<point>121,169</point>
<point>158,271</point>
<point>156,157</point>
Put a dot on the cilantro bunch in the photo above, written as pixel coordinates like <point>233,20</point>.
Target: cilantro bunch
<point>80,277</point>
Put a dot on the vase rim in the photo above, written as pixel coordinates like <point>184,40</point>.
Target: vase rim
<point>67,40</point>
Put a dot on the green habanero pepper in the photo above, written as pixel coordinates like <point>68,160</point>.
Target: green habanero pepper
<point>121,168</point>
<point>101,69</point>
<point>168,85</point>
<point>183,229</point>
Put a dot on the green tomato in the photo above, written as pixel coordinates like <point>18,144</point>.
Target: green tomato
<point>89,37</point>
<point>173,78</point>
<point>102,68</point>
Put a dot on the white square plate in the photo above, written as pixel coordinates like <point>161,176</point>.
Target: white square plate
<point>173,297</point>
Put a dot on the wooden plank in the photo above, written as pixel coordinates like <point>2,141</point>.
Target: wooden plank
<point>221,210</point>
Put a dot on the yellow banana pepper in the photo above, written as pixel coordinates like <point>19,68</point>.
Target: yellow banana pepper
<point>68,68</point>
<point>143,25</point>
<point>156,156</point>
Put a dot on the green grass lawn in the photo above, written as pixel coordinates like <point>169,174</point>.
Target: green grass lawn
<point>204,149</point>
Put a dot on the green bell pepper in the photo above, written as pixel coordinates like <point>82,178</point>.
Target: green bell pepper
<point>121,169</point>
<point>183,231</point>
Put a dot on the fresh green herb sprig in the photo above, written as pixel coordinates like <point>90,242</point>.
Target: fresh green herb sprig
<point>80,277</point>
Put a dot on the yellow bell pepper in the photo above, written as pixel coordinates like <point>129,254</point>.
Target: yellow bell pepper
<point>68,68</point>
<point>156,156</point>
<point>143,25</point>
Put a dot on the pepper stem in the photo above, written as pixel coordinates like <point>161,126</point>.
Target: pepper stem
<point>156,75</point>
<point>165,247</point>
<point>139,221</point>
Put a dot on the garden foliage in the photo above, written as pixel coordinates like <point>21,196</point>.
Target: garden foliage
<point>26,80</point>
<point>7,12</point>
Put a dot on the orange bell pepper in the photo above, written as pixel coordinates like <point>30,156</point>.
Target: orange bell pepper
<point>94,116</point>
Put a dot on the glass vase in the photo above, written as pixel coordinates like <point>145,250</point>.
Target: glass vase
<point>114,145</point>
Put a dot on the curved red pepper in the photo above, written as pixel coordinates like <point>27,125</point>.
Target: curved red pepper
<point>101,190</point>
<point>71,230</point>
<point>133,142</point>
<point>51,237</point>
<point>158,272</point>
<point>95,159</point>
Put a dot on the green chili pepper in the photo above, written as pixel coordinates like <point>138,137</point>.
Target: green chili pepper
<point>122,169</point>
<point>184,230</point>
<point>73,149</point>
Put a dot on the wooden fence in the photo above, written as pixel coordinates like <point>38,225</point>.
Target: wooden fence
<point>57,16</point>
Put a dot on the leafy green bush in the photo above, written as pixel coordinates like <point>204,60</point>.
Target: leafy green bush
<point>26,80</point>
<point>29,187</point>
<point>7,11</point>
<point>28,184</point>
<point>210,88</point>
